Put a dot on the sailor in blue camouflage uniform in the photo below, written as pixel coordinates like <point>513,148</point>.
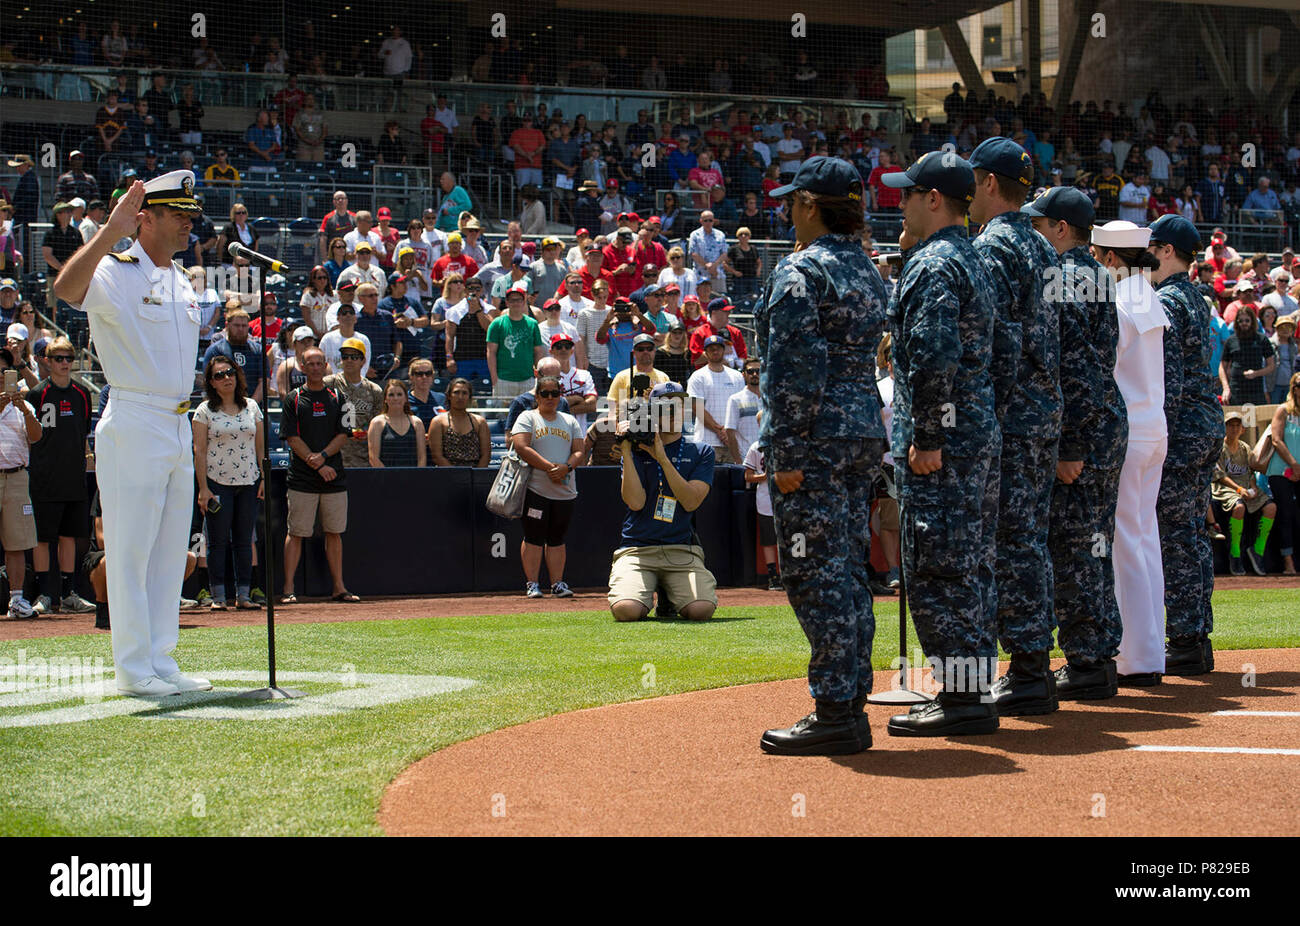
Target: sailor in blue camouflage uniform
<point>945,445</point>
<point>820,318</point>
<point>1094,437</point>
<point>1195,425</point>
<point>1026,382</point>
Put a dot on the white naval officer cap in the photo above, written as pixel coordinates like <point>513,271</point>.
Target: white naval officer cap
<point>174,189</point>
<point>1121,234</point>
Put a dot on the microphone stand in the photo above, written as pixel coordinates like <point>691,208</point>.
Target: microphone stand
<point>272,692</point>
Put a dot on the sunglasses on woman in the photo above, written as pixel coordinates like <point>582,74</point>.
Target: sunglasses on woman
<point>223,374</point>
<point>550,394</point>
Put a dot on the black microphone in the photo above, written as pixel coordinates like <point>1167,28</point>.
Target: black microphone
<point>257,260</point>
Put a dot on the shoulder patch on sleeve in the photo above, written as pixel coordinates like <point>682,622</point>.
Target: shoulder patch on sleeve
<point>124,257</point>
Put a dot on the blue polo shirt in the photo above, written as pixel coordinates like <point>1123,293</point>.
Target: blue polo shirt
<point>381,331</point>
<point>620,336</point>
<point>641,528</point>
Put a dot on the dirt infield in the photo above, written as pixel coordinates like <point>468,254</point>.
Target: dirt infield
<point>324,611</point>
<point>690,764</point>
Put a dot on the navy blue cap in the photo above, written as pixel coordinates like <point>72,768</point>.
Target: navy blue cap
<point>667,389</point>
<point>715,339</point>
<point>944,171</point>
<point>720,305</point>
<point>831,176</point>
<point>1178,231</point>
<point>1063,204</point>
<point>1004,157</point>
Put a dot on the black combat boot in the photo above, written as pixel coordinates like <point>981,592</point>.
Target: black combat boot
<point>830,730</point>
<point>1029,687</point>
<point>952,713</point>
<point>859,709</point>
<point>1086,681</point>
<point>1186,656</point>
<point>101,616</point>
<point>1140,679</point>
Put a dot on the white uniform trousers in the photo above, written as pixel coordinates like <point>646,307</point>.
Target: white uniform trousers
<point>1139,571</point>
<point>145,470</point>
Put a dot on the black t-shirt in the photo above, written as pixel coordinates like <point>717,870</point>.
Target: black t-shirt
<point>63,242</point>
<point>677,367</point>
<point>58,459</point>
<point>316,416</point>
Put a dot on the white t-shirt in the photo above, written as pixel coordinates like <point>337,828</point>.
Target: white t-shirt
<point>332,343</point>
<point>886,389</point>
<point>332,314</point>
<point>686,280</point>
<point>715,389</point>
<point>353,238</point>
<point>742,416</point>
<point>571,308</point>
<point>15,450</point>
<point>1159,162</point>
<point>762,495</point>
<point>373,274</point>
<point>232,443</point>
<point>554,441</point>
<point>561,327</point>
<point>315,308</point>
<point>578,384</point>
<point>1134,214</point>
<point>789,146</point>
<point>396,54</point>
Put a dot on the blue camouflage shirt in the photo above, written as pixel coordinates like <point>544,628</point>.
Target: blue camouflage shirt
<point>819,321</point>
<point>941,318</point>
<point>1094,427</point>
<point>1197,412</point>
<point>1026,334</point>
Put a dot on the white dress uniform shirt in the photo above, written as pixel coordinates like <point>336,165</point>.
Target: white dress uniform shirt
<point>1140,359</point>
<point>144,320</point>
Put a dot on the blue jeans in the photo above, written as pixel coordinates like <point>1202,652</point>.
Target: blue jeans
<point>232,526</point>
<point>1277,395</point>
<point>473,369</point>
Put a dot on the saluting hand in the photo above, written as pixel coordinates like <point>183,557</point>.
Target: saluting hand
<point>124,219</point>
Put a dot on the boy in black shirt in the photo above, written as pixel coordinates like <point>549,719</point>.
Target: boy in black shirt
<point>316,422</point>
<point>58,478</point>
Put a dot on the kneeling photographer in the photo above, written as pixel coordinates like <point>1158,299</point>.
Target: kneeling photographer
<point>665,478</point>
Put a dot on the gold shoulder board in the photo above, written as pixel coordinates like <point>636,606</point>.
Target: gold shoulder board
<point>123,257</point>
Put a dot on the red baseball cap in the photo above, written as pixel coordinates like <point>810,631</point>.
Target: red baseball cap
<point>690,298</point>
<point>582,232</point>
<point>655,219</point>
<point>674,288</point>
<point>613,184</point>
<point>561,338</point>
<point>384,213</point>
<point>634,217</point>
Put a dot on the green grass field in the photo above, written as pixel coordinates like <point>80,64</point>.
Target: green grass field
<point>142,775</point>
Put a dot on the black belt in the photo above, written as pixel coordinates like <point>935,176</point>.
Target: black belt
<point>10,472</point>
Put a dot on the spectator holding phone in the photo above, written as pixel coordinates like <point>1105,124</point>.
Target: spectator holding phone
<point>19,429</point>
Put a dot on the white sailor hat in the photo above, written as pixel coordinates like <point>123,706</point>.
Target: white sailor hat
<point>174,189</point>
<point>1120,234</point>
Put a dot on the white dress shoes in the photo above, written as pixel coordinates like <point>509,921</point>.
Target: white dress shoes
<point>150,687</point>
<point>187,683</point>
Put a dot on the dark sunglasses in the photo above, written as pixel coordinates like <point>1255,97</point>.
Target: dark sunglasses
<point>351,355</point>
<point>223,374</point>
<point>347,311</point>
<point>59,358</point>
<point>422,372</point>
<point>550,394</point>
<point>751,372</point>
<point>643,347</point>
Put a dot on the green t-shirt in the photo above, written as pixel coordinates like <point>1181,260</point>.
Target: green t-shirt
<point>515,340</point>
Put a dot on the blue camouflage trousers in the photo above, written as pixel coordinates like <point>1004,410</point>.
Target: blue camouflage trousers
<point>1185,543</point>
<point>948,520</point>
<point>1081,538</point>
<point>1024,566</point>
<point>823,538</point>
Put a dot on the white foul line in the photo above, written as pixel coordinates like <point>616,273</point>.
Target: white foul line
<point>1257,713</point>
<point>1246,750</point>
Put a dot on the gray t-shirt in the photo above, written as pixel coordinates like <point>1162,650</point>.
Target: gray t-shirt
<point>554,441</point>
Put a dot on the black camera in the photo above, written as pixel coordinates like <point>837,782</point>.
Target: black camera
<point>641,423</point>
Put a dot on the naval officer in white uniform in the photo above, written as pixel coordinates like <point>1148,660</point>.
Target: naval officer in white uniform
<point>144,319</point>
<point>1120,247</point>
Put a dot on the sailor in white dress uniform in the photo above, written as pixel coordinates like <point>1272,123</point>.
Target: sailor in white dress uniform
<point>144,320</point>
<point>1139,372</point>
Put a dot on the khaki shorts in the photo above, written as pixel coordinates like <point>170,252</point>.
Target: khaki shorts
<point>888,514</point>
<point>509,388</point>
<point>17,526</point>
<point>637,571</point>
<point>302,512</point>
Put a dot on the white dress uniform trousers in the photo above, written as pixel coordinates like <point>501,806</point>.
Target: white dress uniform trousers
<point>144,320</point>
<point>1139,573</point>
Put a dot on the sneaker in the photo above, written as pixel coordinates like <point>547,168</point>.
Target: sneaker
<point>774,582</point>
<point>42,605</point>
<point>1235,567</point>
<point>535,590</point>
<point>891,578</point>
<point>188,604</point>
<point>561,590</point>
<point>1256,561</point>
<point>75,604</point>
<point>257,596</point>
<point>20,609</point>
